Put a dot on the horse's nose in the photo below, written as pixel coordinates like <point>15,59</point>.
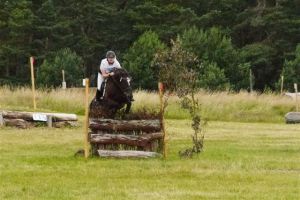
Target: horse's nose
<point>131,98</point>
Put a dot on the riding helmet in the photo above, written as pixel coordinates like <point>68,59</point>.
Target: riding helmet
<point>110,54</point>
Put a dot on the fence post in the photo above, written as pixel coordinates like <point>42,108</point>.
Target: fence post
<point>251,81</point>
<point>281,85</point>
<point>32,81</point>
<point>86,121</point>
<point>64,84</point>
<point>296,91</point>
<point>49,121</point>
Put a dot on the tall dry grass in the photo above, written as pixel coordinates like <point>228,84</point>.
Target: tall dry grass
<point>219,106</point>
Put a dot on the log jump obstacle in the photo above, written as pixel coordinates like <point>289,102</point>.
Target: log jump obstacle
<point>135,138</point>
<point>33,119</point>
<point>126,138</point>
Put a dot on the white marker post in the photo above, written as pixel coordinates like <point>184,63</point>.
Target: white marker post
<point>64,84</point>
<point>281,88</point>
<point>32,81</point>
<point>296,91</point>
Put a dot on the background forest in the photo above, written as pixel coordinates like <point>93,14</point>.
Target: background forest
<point>230,38</point>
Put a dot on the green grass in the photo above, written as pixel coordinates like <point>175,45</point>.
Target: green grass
<point>240,161</point>
<point>220,106</point>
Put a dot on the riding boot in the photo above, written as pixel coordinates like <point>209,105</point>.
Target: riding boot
<point>99,93</point>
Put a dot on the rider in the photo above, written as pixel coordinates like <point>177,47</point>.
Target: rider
<point>106,67</point>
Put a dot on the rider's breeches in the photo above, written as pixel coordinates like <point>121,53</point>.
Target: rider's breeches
<point>100,87</point>
<point>99,81</point>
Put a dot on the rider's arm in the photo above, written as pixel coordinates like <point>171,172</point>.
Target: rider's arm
<point>105,74</point>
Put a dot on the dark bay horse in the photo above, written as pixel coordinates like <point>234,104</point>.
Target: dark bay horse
<point>117,94</point>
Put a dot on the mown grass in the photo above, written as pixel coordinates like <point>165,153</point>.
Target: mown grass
<point>220,106</point>
<point>240,161</point>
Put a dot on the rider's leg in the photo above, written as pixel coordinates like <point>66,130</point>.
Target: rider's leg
<point>100,93</point>
<point>102,89</point>
<point>99,87</point>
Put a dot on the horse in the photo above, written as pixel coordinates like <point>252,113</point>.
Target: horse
<point>117,94</point>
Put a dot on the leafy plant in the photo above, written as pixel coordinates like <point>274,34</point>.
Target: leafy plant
<point>178,72</point>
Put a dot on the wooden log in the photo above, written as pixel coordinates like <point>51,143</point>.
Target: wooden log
<point>128,154</point>
<point>132,140</point>
<point>28,116</point>
<point>111,125</point>
<point>19,123</point>
<point>292,117</point>
<point>64,124</point>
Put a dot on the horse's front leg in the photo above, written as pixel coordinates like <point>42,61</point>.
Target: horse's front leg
<point>128,106</point>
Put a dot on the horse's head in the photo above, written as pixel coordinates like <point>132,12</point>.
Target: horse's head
<point>122,80</point>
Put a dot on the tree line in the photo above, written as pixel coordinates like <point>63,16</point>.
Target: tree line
<point>230,38</point>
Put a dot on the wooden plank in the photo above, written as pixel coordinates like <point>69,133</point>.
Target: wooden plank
<point>128,154</point>
<point>28,116</point>
<point>132,140</point>
<point>125,125</point>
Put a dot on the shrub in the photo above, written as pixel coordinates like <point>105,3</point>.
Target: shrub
<point>50,72</point>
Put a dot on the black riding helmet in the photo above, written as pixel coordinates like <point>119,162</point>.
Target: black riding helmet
<point>110,54</point>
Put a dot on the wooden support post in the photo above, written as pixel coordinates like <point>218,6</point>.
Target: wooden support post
<point>32,81</point>
<point>281,85</point>
<point>1,120</point>
<point>86,121</point>
<point>162,111</point>
<point>49,121</point>
<point>296,91</point>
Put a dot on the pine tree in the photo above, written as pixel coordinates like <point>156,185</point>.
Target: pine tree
<point>139,58</point>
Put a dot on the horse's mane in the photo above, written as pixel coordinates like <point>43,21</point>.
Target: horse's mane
<point>120,72</point>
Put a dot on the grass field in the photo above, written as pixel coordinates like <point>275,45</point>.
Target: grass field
<point>220,106</point>
<point>240,161</point>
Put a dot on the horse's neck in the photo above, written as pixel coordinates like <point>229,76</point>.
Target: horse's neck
<point>111,89</point>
